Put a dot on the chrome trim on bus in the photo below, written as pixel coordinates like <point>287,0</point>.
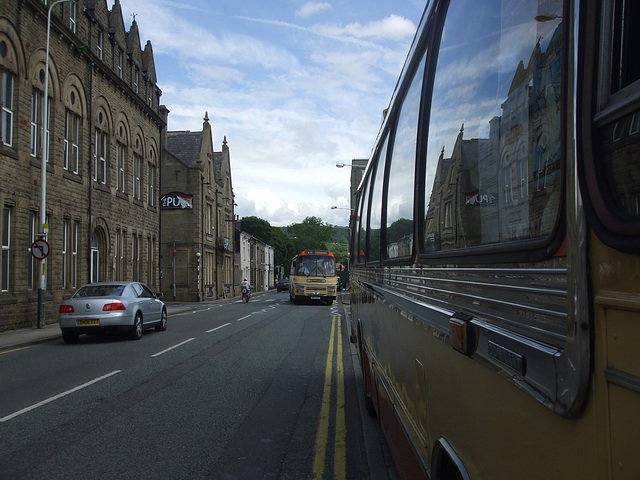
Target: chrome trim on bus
<point>441,447</point>
<point>522,311</point>
<point>622,379</point>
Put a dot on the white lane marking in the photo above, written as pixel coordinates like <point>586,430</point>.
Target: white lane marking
<point>246,316</point>
<point>171,348</point>
<point>218,328</point>
<point>56,397</point>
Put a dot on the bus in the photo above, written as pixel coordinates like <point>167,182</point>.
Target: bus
<point>495,304</point>
<point>313,277</point>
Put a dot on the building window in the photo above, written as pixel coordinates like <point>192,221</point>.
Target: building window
<point>74,255</point>
<point>100,158</point>
<point>151,175</point>
<point>65,240</point>
<point>71,136</point>
<point>36,123</point>
<point>136,74</point>
<point>72,16</point>
<point>135,257</point>
<point>95,259</point>
<point>119,63</point>
<point>120,164</point>
<point>116,247</point>
<point>209,226</point>
<point>120,255</point>
<point>137,174</point>
<point>7,107</point>
<point>6,245</point>
<point>150,269</point>
<point>99,44</point>
<point>32,268</point>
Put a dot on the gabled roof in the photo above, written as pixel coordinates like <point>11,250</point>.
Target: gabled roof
<point>185,146</point>
<point>148,64</point>
<point>217,158</point>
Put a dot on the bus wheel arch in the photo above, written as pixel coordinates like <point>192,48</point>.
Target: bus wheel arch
<point>446,464</point>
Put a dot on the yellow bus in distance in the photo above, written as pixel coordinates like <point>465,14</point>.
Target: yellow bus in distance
<point>313,277</point>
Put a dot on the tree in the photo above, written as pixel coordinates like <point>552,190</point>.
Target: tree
<point>312,228</point>
<point>261,229</point>
<point>311,234</point>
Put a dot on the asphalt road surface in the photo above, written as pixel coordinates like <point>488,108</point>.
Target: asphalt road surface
<point>264,389</point>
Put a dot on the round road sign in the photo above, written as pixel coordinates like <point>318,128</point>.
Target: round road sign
<point>40,249</point>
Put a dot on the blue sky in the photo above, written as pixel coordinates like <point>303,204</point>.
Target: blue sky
<point>295,87</point>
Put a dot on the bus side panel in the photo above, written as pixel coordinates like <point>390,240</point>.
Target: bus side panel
<point>616,292</point>
<point>498,430</point>
<point>407,463</point>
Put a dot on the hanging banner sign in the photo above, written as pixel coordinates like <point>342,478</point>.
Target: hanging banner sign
<point>176,200</point>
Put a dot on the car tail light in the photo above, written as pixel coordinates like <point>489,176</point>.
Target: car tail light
<point>110,307</point>
<point>66,309</point>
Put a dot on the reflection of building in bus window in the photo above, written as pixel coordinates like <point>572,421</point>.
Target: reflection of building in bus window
<point>502,180</point>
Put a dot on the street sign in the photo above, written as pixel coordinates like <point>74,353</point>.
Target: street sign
<point>40,249</point>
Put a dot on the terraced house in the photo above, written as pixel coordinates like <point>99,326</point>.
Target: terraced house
<point>102,150</point>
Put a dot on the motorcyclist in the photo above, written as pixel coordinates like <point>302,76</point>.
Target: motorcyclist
<point>245,286</point>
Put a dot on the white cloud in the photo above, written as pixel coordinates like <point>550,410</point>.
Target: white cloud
<point>292,100</point>
<point>393,27</point>
<point>311,8</point>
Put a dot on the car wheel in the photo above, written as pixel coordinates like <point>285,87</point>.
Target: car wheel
<point>70,337</point>
<point>163,321</point>
<point>136,333</point>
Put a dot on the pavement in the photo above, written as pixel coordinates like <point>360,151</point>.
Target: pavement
<point>381,465</point>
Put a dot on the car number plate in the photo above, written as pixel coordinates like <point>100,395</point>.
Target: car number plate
<point>315,298</point>
<point>89,322</point>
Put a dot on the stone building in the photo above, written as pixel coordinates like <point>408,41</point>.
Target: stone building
<point>256,262</point>
<point>103,135</point>
<point>198,219</point>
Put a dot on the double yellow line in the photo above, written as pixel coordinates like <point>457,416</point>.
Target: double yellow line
<point>322,437</point>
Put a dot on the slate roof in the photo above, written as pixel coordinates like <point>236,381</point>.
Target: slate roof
<point>185,146</point>
<point>217,158</point>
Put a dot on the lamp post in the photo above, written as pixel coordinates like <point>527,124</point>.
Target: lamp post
<point>342,165</point>
<point>44,228</point>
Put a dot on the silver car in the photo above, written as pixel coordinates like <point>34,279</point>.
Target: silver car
<point>106,307</point>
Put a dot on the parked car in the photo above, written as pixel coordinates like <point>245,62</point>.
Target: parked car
<point>283,284</point>
<point>107,307</point>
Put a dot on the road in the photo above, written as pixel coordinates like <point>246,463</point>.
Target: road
<point>230,391</point>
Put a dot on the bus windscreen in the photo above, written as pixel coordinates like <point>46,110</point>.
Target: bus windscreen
<point>316,265</point>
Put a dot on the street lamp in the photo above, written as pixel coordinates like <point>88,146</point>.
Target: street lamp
<point>44,228</point>
<point>342,165</point>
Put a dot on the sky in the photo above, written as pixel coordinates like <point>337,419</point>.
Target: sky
<point>296,87</point>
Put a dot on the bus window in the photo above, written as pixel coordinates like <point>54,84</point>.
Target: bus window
<point>402,171</point>
<point>617,164</point>
<point>375,223</point>
<point>363,205</point>
<point>493,166</point>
